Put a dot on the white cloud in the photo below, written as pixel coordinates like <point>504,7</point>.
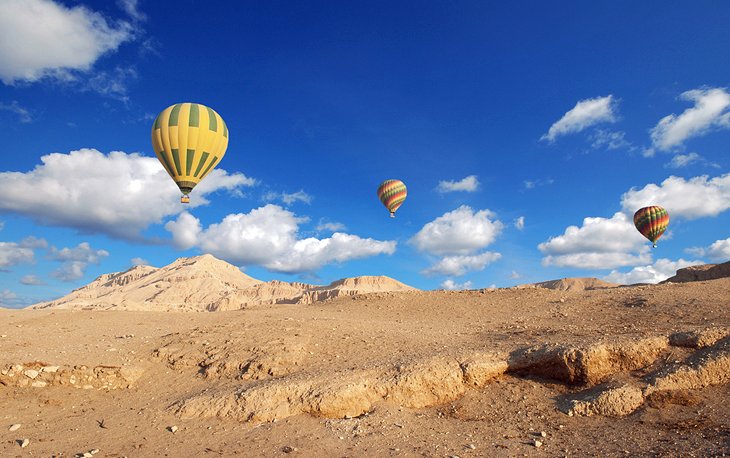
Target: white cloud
<point>694,198</point>
<point>520,223</point>
<point>461,231</point>
<point>683,160</point>
<point>468,184</point>
<point>459,265</point>
<point>83,253</point>
<point>600,243</point>
<point>11,254</point>
<point>586,113</point>
<point>515,275</point>
<point>299,196</point>
<point>117,194</point>
<point>15,108</point>
<point>653,273</point>
<point>112,83</point>
<point>267,236</point>
<point>42,38</point>
<point>451,285</point>
<point>75,260</point>
<point>31,280</point>
<point>711,111</point>
<point>609,140</point>
<point>532,184</point>
<point>132,9</point>
<point>288,199</point>
<point>330,226</point>
<point>8,298</point>
<point>718,251</point>
<point>139,262</point>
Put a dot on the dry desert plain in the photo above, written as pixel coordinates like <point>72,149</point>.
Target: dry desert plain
<point>549,370</point>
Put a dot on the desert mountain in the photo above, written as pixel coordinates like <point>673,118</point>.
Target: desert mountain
<point>571,284</point>
<point>701,273</point>
<point>205,283</point>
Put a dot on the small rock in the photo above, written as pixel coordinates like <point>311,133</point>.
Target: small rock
<point>288,449</point>
<point>172,429</point>
<point>398,425</point>
<point>24,443</point>
<point>537,443</point>
<point>543,434</point>
<point>87,455</point>
<point>31,373</point>
<point>471,446</point>
<point>3,335</point>
<point>14,427</point>
<point>94,451</point>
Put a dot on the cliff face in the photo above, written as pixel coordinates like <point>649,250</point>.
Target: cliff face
<point>205,283</point>
<point>701,273</point>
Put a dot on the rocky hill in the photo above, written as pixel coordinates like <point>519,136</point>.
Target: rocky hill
<point>701,273</point>
<point>571,284</point>
<point>205,283</point>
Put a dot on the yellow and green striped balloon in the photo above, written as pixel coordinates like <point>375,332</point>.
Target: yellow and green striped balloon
<point>392,193</point>
<point>651,221</point>
<point>189,140</point>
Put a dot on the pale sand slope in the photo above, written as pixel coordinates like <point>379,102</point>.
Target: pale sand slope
<point>474,373</point>
<point>205,283</point>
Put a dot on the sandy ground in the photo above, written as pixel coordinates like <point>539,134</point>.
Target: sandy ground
<point>473,373</point>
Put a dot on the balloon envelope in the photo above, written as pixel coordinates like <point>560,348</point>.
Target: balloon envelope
<point>651,222</point>
<point>189,140</point>
<point>392,193</point>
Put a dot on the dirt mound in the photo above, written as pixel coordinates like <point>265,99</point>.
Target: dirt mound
<point>702,272</point>
<point>571,284</point>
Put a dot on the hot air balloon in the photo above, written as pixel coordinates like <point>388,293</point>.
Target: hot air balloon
<point>392,193</point>
<point>189,139</point>
<point>651,222</point>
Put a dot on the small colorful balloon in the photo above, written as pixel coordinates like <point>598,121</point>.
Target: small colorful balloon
<point>651,221</point>
<point>392,193</point>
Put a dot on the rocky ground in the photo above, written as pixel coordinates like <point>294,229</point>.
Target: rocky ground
<point>631,371</point>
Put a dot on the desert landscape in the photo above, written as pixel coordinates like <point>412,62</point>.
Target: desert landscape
<point>199,359</point>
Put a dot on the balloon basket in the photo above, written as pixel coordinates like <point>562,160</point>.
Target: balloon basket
<point>185,200</point>
<point>392,215</point>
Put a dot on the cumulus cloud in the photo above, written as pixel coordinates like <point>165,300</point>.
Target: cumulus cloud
<point>600,243</point>
<point>586,113</point>
<point>451,285</point>
<point>468,184</point>
<point>520,223</point>
<point>459,265</point>
<point>118,194</point>
<point>74,261</point>
<point>268,236</point>
<point>653,273</point>
<point>711,111</point>
<point>718,251</point>
<point>12,253</point>
<point>31,280</point>
<point>694,198</point>
<point>459,232</point>
<point>43,38</point>
<point>14,107</point>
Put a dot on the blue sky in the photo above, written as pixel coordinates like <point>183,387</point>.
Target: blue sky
<point>527,133</point>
